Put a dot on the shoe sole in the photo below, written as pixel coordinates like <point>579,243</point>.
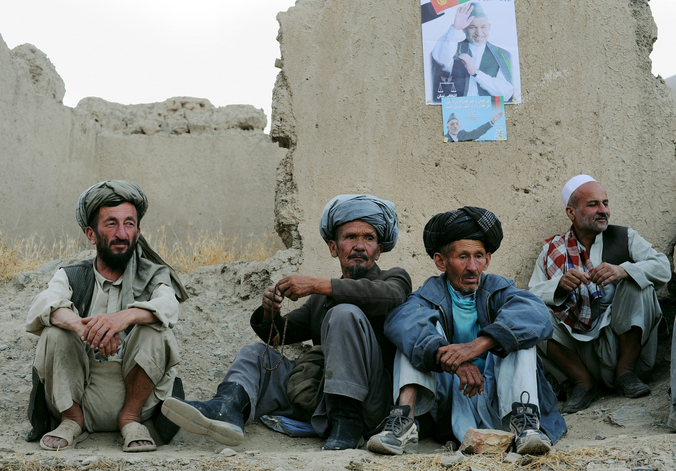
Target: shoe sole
<point>192,420</point>
<point>534,446</point>
<point>377,446</point>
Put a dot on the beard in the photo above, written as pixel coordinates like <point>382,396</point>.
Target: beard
<point>115,261</point>
<point>359,270</point>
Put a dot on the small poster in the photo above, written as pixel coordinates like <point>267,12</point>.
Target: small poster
<point>470,49</point>
<point>480,118</point>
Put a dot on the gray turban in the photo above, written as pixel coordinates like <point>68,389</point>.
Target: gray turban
<point>109,193</point>
<point>346,208</point>
<point>113,193</point>
<point>467,222</point>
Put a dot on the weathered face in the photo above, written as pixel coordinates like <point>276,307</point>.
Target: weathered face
<point>116,234</point>
<point>453,126</point>
<point>590,213</point>
<point>356,247</point>
<point>477,31</point>
<point>463,264</point>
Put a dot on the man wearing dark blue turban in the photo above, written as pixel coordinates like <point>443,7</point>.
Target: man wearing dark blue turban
<point>466,346</point>
<point>351,390</point>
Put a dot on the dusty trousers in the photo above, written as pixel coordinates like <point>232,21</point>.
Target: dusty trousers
<point>353,367</point>
<point>67,368</point>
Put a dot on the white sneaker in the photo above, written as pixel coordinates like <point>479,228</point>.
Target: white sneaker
<point>399,433</point>
<point>525,424</point>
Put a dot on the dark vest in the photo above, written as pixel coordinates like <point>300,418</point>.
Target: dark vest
<point>616,245</point>
<point>81,279</point>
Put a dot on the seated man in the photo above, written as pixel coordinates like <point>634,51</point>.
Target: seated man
<point>106,353</point>
<point>599,282</point>
<point>466,346</point>
<point>345,316</point>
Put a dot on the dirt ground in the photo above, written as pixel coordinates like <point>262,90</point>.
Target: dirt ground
<point>615,433</point>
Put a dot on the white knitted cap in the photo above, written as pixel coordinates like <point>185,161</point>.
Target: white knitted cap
<point>572,185</point>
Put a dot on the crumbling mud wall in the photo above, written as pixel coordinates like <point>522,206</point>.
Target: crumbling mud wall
<point>203,167</point>
<point>349,106</point>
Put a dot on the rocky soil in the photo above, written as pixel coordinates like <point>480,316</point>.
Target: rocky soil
<point>615,433</point>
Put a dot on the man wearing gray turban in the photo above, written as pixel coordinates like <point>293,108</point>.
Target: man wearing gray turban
<point>349,392</point>
<point>465,343</point>
<point>106,354</point>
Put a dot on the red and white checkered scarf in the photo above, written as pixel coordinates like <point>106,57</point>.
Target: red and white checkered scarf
<point>564,252</point>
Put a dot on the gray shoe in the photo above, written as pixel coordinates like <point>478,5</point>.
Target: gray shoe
<point>525,424</point>
<point>399,434</point>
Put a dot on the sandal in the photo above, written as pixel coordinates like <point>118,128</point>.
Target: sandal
<point>68,430</point>
<point>135,432</point>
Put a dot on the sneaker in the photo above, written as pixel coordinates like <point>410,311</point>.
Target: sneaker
<point>399,433</point>
<point>525,424</point>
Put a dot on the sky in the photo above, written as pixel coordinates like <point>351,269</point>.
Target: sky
<point>146,51</point>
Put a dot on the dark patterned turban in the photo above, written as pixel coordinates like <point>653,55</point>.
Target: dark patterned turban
<point>467,222</point>
<point>379,213</point>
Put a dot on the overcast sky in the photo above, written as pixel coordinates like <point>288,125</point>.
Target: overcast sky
<point>145,51</point>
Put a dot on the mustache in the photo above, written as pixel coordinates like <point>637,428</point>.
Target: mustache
<point>358,255</point>
<point>119,241</point>
<point>602,216</point>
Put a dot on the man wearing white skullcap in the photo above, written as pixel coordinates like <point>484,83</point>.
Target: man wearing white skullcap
<point>599,282</point>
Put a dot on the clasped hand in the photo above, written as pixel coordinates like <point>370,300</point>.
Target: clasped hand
<point>456,359</point>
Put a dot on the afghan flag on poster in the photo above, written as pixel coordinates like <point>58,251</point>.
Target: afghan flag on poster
<point>441,5</point>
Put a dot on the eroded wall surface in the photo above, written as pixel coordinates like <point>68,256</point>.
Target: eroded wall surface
<point>202,167</point>
<point>349,105</point>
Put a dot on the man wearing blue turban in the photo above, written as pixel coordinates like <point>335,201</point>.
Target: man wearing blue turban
<point>350,390</point>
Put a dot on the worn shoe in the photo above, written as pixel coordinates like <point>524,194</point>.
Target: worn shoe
<point>399,433</point>
<point>221,418</point>
<point>631,386</point>
<point>346,425</point>
<point>580,399</point>
<point>525,424</point>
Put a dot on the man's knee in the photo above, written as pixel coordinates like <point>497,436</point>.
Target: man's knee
<point>252,350</point>
<point>345,316</point>
<point>54,339</point>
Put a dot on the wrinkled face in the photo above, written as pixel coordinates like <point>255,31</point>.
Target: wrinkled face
<point>477,31</point>
<point>463,264</point>
<point>590,212</point>
<point>453,126</point>
<point>115,235</point>
<point>356,247</point>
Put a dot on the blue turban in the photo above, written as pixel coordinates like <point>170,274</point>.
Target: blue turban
<point>346,208</point>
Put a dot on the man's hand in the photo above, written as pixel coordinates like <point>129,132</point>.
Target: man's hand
<point>450,357</point>
<point>471,379</point>
<point>462,16</point>
<point>101,329</point>
<point>496,117</point>
<point>272,302</point>
<point>295,287</point>
<point>469,63</point>
<point>572,279</point>
<point>607,273</point>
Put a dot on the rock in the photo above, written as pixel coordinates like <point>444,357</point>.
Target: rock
<point>252,452</point>
<point>228,452</point>
<point>3,347</point>
<point>50,462</point>
<point>90,460</point>
<point>600,437</point>
<point>486,441</point>
<point>631,416</point>
<point>512,458</point>
<point>452,460</point>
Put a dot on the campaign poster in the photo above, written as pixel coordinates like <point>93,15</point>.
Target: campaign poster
<point>470,49</point>
<point>479,118</point>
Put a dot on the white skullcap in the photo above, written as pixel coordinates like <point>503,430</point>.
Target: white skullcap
<point>572,185</point>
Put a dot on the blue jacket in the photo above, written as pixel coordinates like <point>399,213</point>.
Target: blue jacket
<point>514,318</point>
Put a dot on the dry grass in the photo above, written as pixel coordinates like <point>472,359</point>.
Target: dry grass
<point>24,254</point>
<point>19,254</point>
<point>211,249</point>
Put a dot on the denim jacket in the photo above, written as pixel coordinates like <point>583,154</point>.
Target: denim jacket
<point>514,318</point>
